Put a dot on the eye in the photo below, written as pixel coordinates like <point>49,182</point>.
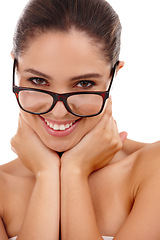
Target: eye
<point>85,84</point>
<point>38,81</point>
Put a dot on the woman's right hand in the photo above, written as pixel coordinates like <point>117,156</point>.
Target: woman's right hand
<point>97,148</point>
<point>32,151</point>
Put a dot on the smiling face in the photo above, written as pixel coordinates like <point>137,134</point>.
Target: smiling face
<point>62,63</point>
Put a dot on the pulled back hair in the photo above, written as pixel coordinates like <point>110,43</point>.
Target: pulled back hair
<point>94,17</point>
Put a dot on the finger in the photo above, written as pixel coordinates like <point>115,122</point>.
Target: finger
<point>22,121</point>
<point>108,109</point>
<point>24,125</point>
<point>114,128</point>
<point>107,112</point>
<point>20,127</point>
<point>104,121</point>
<point>123,136</point>
<point>27,132</point>
<point>12,148</point>
<point>14,143</point>
<point>19,124</point>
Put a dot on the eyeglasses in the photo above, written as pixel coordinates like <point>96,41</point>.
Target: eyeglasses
<point>81,104</point>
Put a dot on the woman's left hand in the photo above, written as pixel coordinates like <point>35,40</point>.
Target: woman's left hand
<point>32,152</point>
<point>98,147</point>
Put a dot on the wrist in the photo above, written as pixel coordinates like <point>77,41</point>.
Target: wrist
<point>48,172</point>
<point>69,169</point>
<point>79,164</point>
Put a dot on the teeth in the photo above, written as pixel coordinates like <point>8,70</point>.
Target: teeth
<point>62,127</point>
<point>67,126</point>
<point>57,127</point>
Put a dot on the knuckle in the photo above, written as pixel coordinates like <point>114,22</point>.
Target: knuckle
<point>117,144</point>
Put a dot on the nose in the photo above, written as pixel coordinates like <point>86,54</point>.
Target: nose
<point>59,111</point>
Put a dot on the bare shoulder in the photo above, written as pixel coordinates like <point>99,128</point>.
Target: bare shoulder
<point>9,167</point>
<point>15,168</point>
<point>138,164</point>
<point>16,185</point>
<point>129,147</point>
<point>148,160</point>
<point>14,177</point>
<point>8,173</point>
<point>143,220</point>
<point>3,189</point>
<point>151,150</point>
<point>145,168</point>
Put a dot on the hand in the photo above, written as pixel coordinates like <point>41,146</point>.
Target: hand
<point>98,147</point>
<point>31,150</point>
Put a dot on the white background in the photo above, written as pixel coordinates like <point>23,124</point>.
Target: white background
<point>136,92</point>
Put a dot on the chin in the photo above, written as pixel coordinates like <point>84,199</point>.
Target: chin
<point>60,146</point>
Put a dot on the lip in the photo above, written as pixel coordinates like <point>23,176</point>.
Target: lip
<point>58,133</point>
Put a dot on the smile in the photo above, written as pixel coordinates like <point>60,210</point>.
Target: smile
<point>61,127</point>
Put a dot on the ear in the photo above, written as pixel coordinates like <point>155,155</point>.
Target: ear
<point>120,65</point>
<point>12,55</point>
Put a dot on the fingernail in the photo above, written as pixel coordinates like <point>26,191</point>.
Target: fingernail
<point>123,136</point>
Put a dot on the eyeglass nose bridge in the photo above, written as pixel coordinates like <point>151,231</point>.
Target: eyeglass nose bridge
<point>61,98</point>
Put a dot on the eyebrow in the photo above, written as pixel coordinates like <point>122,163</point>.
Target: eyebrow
<point>84,76</point>
<point>88,75</point>
<point>38,73</point>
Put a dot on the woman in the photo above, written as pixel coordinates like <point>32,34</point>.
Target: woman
<point>75,176</point>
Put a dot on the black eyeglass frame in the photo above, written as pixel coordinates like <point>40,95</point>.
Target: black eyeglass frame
<point>62,97</point>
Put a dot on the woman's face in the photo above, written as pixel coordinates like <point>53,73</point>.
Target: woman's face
<point>61,60</point>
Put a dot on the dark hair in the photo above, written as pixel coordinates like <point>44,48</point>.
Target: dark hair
<point>94,17</point>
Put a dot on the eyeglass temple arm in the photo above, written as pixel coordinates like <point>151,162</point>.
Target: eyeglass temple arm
<point>14,67</point>
<point>113,75</point>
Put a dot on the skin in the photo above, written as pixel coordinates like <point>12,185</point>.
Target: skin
<point>68,62</point>
<point>101,175</point>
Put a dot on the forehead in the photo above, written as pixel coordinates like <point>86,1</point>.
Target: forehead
<point>59,51</point>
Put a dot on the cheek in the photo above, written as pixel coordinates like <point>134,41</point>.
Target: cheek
<point>92,122</point>
<point>26,117</point>
<point>29,118</point>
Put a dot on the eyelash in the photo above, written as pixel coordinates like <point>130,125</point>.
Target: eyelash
<point>91,83</point>
<point>31,80</point>
<point>34,79</point>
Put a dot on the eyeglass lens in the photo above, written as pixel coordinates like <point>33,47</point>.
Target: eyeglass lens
<point>81,104</point>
